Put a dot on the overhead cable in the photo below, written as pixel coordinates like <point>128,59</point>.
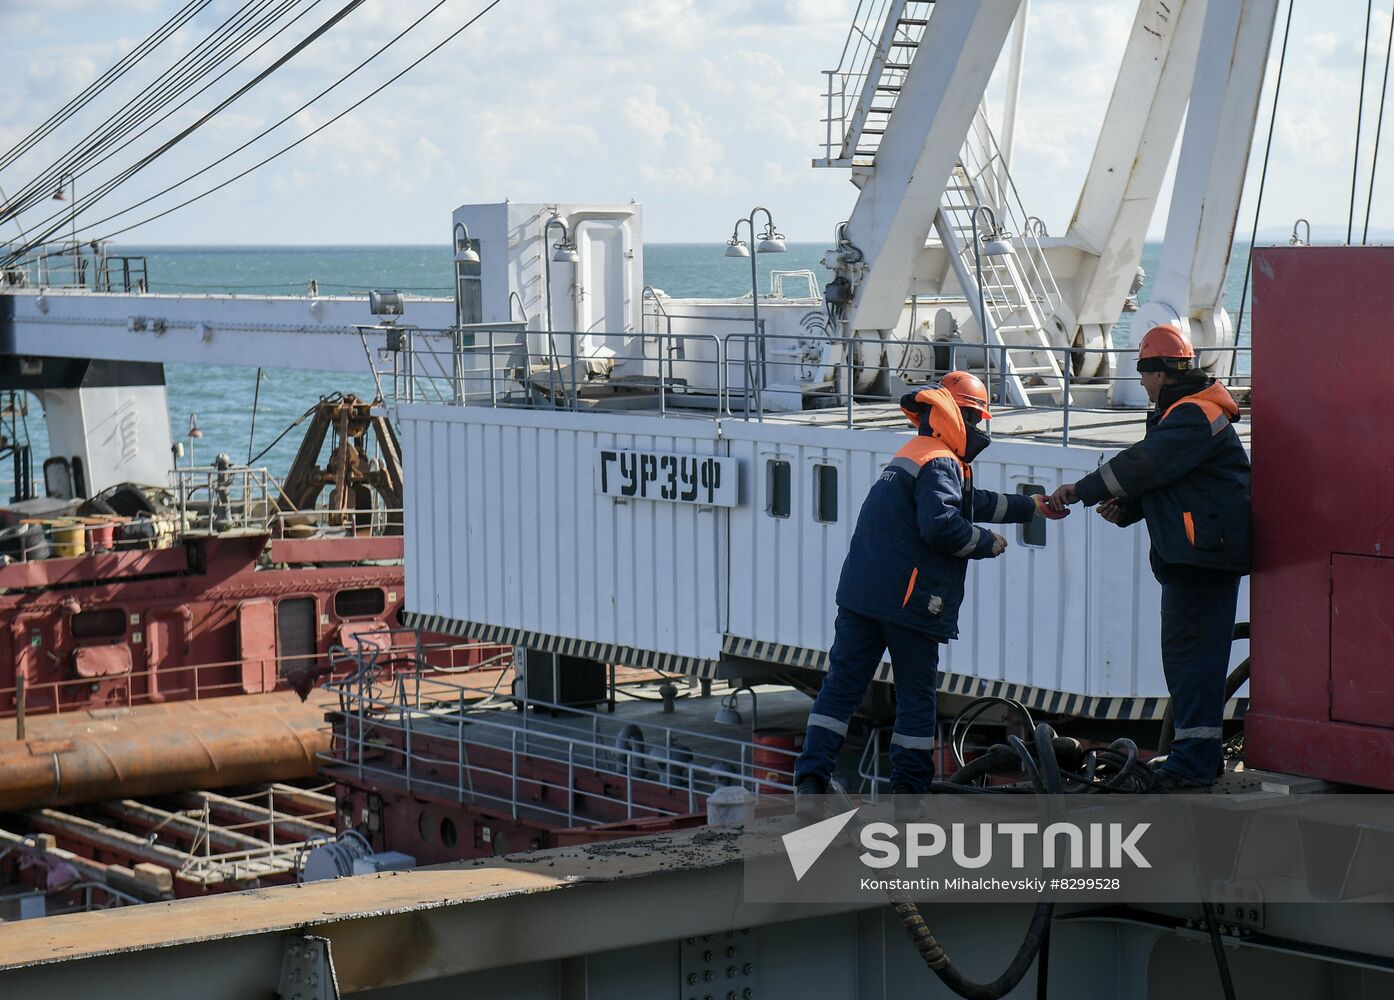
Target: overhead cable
<point>196,94</point>
<point>38,187</point>
<point>1263,174</point>
<point>211,52</point>
<point>1379,125</point>
<point>373,93</point>
<point>165,147</point>
<point>112,74</point>
<point>1359,114</point>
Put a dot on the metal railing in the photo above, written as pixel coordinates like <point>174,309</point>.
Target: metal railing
<point>803,376</point>
<point>78,265</point>
<point>220,678</point>
<point>442,736</point>
<point>212,499</point>
<point>216,499</point>
<point>873,66</point>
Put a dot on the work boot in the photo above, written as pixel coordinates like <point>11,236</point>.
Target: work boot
<point>1166,781</point>
<point>811,799</point>
<point>908,803</point>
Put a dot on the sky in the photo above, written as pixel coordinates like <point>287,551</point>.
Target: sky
<point>698,109</point>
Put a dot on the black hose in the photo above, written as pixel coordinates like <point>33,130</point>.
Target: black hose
<point>1043,965</point>
<point>1216,945</point>
<point>1045,777</point>
<point>968,715</point>
<point>934,956</point>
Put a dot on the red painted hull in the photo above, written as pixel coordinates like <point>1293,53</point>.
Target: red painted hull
<point>211,616</point>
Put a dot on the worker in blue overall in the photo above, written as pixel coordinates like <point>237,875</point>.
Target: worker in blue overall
<point>902,582</point>
<point>1189,478</point>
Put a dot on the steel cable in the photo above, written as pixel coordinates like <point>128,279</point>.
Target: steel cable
<point>184,103</point>
<point>112,183</point>
<point>1263,174</point>
<point>136,110</point>
<point>309,135</point>
<point>1359,115</point>
<point>1379,125</point>
<point>112,74</point>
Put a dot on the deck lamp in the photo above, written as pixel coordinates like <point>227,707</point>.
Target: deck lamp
<point>562,253</point>
<point>770,241</point>
<point>464,252</point>
<point>994,242</point>
<point>729,715</point>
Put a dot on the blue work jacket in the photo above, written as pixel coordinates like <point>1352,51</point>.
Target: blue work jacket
<point>915,533</point>
<point>1189,477</point>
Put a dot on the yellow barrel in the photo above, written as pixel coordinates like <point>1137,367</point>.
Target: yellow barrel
<point>69,537</point>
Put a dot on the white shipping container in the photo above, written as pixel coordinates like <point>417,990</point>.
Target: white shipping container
<point>507,527</point>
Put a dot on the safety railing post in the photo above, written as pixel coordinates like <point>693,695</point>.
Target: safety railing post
<point>1065,370</point>
<point>847,384</point>
<point>513,782</point>
<point>570,782</point>
<point>406,739</point>
<point>662,379</point>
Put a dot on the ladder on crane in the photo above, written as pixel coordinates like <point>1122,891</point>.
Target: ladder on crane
<point>1019,292</point>
<point>861,93</point>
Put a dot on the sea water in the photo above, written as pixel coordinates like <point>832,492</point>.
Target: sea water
<point>220,398</point>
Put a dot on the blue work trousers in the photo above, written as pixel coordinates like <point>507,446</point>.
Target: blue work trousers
<point>858,645</point>
<point>1197,630</point>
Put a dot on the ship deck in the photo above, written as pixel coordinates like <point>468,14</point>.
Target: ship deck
<point>1102,428</point>
<point>646,763</point>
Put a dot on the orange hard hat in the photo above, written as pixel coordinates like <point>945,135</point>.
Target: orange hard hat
<point>1165,348</point>
<point>967,391</point>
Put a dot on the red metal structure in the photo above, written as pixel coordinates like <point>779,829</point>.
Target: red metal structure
<point>1322,689</point>
<point>208,616</point>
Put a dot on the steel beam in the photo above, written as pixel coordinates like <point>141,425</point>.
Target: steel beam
<point>319,334</point>
<point>1134,147</point>
<point>924,135</point>
<point>616,921</point>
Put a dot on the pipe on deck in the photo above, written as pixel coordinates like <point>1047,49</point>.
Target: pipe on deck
<point>158,749</point>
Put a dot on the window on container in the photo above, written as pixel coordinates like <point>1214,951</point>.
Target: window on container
<point>361,602</point>
<point>104,623</point>
<point>825,494</point>
<point>779,483</point>
<point>1033,532</point>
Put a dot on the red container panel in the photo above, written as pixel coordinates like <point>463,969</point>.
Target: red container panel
<point>1322,593</point>
<point>1362,640</point>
